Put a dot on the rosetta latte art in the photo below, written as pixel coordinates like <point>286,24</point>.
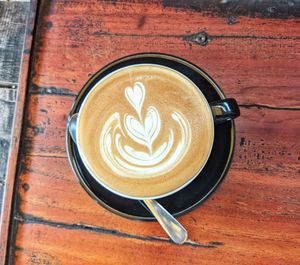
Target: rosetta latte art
<point>125,160</point>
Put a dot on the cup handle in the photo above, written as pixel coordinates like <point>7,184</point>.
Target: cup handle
<point>224,110</point>
<point>72,127</point>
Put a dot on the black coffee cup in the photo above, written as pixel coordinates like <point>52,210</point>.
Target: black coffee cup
<point>224,110</point>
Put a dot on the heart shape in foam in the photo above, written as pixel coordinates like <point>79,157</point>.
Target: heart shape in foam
<point>136,96</point>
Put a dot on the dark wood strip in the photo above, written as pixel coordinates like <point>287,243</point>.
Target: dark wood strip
<point>259,106</point>
<point>232,9</point>
<point>194,36</point>
<point>155,18</point>
<point>29,219</point>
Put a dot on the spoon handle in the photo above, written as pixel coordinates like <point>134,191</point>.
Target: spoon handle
<point>172,227</point>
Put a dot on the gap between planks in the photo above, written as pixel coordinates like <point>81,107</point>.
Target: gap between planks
<point>189,37</point>
<point>30,219</point>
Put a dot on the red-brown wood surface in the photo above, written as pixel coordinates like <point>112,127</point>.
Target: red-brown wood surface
<point>253,218</point>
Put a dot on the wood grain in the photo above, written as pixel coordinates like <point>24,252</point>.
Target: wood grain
<point>12,29</point>
<point>17,112</point>
<point>254,216</point>
<point>7,106</point>
<point>259,141</point>
<point>262,161</point>
<point>231,9</point>
<point>51,244</point>
<point>255,56</point>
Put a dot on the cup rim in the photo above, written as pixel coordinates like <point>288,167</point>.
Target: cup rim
<point>83,157</point>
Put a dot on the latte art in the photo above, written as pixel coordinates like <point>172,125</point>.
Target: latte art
<point>144,130</point>
<point>131,162</point>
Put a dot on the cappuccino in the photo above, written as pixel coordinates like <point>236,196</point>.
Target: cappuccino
<point>145,131</point>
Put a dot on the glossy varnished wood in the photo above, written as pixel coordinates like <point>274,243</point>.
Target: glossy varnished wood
<point>254,216</point>
<point>92,247</point>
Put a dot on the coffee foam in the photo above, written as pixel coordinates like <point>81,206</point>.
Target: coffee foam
<point>145,130</point>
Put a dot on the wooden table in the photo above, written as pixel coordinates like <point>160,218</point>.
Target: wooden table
<point>253,53</point>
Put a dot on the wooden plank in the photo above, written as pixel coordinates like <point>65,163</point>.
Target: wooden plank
<point>254,66</point>
<point>54,244</point>
<point>16,132</point>
<point>7,103</point>
<point>259,142</point>
<point>7,106</point>
<point>12,30</point>
<point>253,58</point>
<point>257,202</point>
<point>263,175</point>
<point>14,11</point>
<point>254,216</point>
<point>153,18</point>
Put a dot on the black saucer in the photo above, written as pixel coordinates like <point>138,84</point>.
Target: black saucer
<point>201,187</point>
